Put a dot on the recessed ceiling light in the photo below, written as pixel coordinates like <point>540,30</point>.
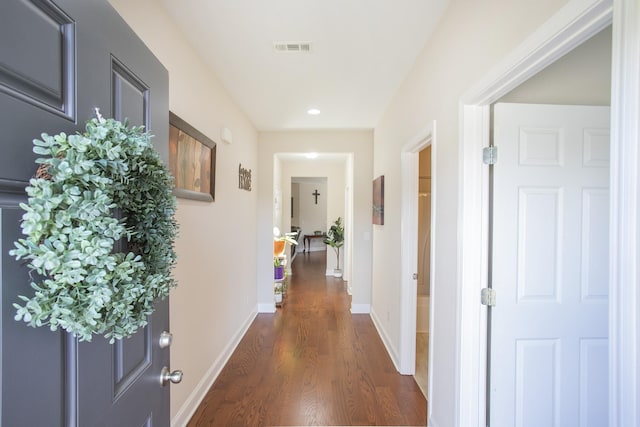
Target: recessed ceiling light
<point>311,155</point>
<point>313,111</point>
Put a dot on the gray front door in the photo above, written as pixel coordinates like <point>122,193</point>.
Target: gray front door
<point>58,61</point>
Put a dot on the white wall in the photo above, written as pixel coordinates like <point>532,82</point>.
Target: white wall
<point>216,295</point>
<point>471,38</point>
<point>295,194</point>
<point>347,252</point>
<point>359,145</point>
<point>313,216</point>
<point>278,202</point>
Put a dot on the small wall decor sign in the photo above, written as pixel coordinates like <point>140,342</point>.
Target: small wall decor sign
<point>244,178</point>
<point>378,200</point>
<point>192,161</point>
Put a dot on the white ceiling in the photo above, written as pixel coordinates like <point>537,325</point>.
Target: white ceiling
<point>361,52</point>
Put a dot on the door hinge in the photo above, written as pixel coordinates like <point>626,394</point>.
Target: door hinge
<point>488,297</point>
<point>490,155</point>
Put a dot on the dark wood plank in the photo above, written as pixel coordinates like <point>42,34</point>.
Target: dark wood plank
<point>311,363</point>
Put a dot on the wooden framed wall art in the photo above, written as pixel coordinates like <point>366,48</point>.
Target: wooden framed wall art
<point>378,200</point>
<point>192,161</point>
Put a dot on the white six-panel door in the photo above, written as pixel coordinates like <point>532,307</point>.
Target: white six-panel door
<point>550,266</point>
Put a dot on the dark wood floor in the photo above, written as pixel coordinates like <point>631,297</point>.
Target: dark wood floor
<point>312,363</point>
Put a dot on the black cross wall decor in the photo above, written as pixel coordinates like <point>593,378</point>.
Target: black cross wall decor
<point>316,194</point>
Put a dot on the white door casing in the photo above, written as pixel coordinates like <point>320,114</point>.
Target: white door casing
<point>550,266</point>
<point>409,249</point>
<point>574,23</point>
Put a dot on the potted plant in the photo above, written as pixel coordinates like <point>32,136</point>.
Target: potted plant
<point>279,246</point>
<point>278,268</point>
<point>277,292</point>
<point>335,239</point>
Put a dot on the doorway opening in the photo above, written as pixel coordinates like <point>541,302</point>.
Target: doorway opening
<point>310,193</point>
<point>309,212</point>
<point>554,161</point>
<point>417,314</point>
<point>424,270</point>
<point>548,44</point>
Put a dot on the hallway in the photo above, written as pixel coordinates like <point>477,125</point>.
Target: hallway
<point>311,363</point>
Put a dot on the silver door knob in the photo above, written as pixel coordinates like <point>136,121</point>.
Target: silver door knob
<point>166,338</point>
<point>166,376</point>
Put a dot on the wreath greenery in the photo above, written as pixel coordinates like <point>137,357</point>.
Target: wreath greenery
<point>100,231</point>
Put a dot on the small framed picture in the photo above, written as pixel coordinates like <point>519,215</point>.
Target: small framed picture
<point>378,200</point>
<point>192,161</point>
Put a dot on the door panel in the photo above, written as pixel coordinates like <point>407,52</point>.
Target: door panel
<point>130,97</point>
<point>27,376</point>
<point>38,65</point>
<point>65,59</point>
<point>115,379</point>
<point>550,266</point>
<point>130,358</point>
<point>37,79</point>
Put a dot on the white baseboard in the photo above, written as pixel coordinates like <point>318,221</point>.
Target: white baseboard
<point>360,308</point>
<point>187,410</point>
<point>267,308</point>
<point>393,354</point>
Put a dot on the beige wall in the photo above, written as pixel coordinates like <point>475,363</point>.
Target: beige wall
<point>582,77</point>
<point>216,294</point>
<point>471,38</point>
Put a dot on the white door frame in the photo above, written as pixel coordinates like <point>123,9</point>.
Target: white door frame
<point>574,23</point>
<point>624,276</point>
<point>409,249</point>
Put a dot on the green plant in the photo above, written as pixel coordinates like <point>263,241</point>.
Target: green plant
<point>97,273</point>
<point>335,239</point>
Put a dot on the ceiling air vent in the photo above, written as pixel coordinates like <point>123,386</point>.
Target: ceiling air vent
<point>300,47</point>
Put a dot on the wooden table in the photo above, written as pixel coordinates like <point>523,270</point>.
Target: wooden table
<point>309,237</point>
